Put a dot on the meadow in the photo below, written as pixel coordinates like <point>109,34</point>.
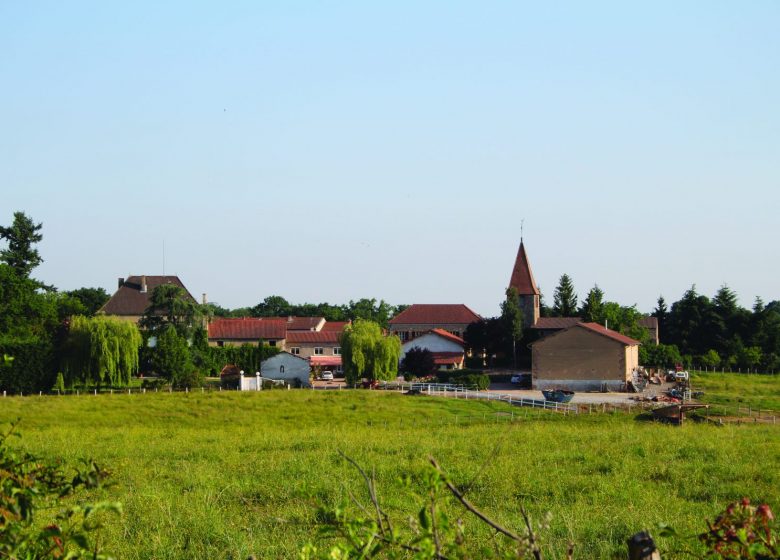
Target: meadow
<point>226,475</point>
<point>758,391</point>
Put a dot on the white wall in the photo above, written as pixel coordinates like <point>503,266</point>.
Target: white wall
<point>295,368</point>
<point>431,342</point>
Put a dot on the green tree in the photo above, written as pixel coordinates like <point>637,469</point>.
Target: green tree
<point>21,236</point>
<point>564,298</point>
<point>101,350</point>
<point>272,306</point>
<point>171,305</point>
<point>91,298</point>
<point>512,320</point>
<point>367,353</point>
<point>661,312</point>
<point>592,310</point>
<point>418,362</point>
<point>661,355</point>
<point>710,359</point>
<point>170,358</point>
<point>370,310</point>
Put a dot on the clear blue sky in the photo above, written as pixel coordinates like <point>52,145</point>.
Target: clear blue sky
<point>327,151</point>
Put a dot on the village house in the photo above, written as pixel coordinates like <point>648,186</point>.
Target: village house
<point>132,296</point>
<point>247,330</point>
<point>584,357</point>
<point>447,349</point>
<point>322,349</point>
<point>420,318</point>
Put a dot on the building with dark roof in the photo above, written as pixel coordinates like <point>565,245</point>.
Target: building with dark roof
<point>584,356</point>
<point>132,295</point>
<point>421,318</point>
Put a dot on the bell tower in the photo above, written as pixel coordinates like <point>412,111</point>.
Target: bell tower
<point>523,281</point>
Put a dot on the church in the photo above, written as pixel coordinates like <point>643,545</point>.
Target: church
<point>569,353</point>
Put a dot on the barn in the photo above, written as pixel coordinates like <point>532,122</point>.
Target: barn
<point>583,357</point>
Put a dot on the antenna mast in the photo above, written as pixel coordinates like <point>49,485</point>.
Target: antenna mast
<point>522,221</point>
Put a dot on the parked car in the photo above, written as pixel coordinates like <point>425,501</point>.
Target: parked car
<point>516,379</point>
<point>326,376</point>
<point>681,376</point>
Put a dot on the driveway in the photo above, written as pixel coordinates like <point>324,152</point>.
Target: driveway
<point>579,398</point>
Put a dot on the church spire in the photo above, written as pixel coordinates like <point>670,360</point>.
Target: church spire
<point>522,278</point>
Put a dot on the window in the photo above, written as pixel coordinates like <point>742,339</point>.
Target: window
<point>271,343</point>
<point>220,343</point>
<point>337,351</point>
<point>295,350</point>
<point>318,351</point>
<point>281,369</point>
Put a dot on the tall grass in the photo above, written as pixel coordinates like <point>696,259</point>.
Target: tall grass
<point>225,475</point>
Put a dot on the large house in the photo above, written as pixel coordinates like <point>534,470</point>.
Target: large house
<point>133,293</point>
<point>584,356</point>
<point>421,318</point>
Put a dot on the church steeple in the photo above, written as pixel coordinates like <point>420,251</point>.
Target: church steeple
<point>522,278</point>
<point>528,292</point>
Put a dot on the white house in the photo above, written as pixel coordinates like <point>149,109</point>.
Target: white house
<point>286,367</point>
<point>447,349</point>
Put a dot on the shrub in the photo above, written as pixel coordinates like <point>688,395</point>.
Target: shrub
<point>32,488</point>
<point>32,367</point>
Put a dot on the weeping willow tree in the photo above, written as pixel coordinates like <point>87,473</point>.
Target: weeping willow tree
<point>366,352</point>
<point>101,350</point>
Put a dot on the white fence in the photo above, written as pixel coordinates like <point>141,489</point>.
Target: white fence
<point>459,392</point>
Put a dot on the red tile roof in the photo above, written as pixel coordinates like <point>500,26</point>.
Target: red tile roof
<point>447,358</point>
<point>300,323</point>
<point>436,314</point>
<point>603,331</point>
<point>313,337</point>
<point>335,325</point>
<point>247,328</point>
<point>449,336</point>
<point>130,300</point>
<point>325,360</point>
<point>556,323</point>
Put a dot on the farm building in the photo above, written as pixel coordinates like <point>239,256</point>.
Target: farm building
<point>582,357</point>
<point>447,349</point>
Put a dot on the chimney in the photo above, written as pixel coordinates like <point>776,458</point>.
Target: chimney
<point>205,301</point>
<point>143,284</point>
<point>121,282</point>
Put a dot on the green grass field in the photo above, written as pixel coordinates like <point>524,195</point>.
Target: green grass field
<point>739,389</point>
<point>225,475</point>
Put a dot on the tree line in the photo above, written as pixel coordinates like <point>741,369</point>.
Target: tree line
<point>276,306</point>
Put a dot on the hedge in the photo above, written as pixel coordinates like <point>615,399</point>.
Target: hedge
<point>32,368</point>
